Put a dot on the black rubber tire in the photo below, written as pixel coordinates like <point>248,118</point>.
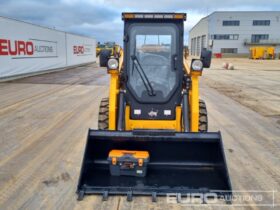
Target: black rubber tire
<point>103,116</point>
<point>103,57</point>
<point>203,118</point>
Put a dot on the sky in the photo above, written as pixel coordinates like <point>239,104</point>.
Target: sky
<point>101,19</point>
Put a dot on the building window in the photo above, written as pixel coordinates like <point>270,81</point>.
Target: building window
<point>257,37</point>
<point>198,46</point>
<point>225,36</point>
<point>193,46</point>
<point>231,23</point>
<point>261,22</point>
<point>228,50</point>
<point>203,42</point>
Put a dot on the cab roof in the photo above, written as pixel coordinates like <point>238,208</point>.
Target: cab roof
<point>153,16</point>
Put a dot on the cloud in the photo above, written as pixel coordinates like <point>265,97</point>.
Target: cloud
<point>102,18</point>
<point>202,5</point>
<point>66,16</point>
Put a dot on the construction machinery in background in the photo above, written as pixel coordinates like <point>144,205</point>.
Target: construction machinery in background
<point>106,50</point>
<point>109,49</point>
<point>105,46</point>
<point>262,52</point>
<point>99,47</point>
<point>152,136</point>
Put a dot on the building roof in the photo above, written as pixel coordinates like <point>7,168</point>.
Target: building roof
<point>229,12</point>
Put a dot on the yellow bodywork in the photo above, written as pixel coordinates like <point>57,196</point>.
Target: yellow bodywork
<point>176,124</point>
<point>153,124</point>
<point>114,91</point>
<point>114,50</point>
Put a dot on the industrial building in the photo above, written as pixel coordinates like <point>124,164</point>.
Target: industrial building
<point>233,33</point>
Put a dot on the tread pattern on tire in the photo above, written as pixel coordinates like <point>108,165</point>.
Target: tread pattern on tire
<point>103,116</point>
<point>103,57</point>
<point>203,118</point>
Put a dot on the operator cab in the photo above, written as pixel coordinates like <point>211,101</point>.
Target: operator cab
<point>153,45</point>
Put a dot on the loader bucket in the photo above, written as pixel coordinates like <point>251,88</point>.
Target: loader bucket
<point>181,163</point>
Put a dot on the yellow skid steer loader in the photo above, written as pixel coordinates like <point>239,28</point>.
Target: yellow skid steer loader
<point>152,134</point>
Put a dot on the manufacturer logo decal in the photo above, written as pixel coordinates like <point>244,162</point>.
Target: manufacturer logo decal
<point>153,113</point>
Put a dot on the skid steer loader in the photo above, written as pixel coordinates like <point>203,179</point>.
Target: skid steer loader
<point>152,134</point>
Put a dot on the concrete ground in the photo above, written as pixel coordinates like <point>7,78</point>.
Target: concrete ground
<point>254,84</point>
<point>44,123</point>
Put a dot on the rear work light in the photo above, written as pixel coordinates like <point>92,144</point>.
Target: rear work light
<point>182,16</point>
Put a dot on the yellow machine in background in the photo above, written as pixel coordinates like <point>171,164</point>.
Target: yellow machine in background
<point>107,50</point>
<point>112,47</point>
<point>262,52</point>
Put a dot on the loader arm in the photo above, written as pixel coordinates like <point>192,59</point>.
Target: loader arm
<point>194,96</point>
<point>114,91</point>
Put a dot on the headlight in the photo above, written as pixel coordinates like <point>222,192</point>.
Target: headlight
<point>197,65</point>
<point>113,63</point>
